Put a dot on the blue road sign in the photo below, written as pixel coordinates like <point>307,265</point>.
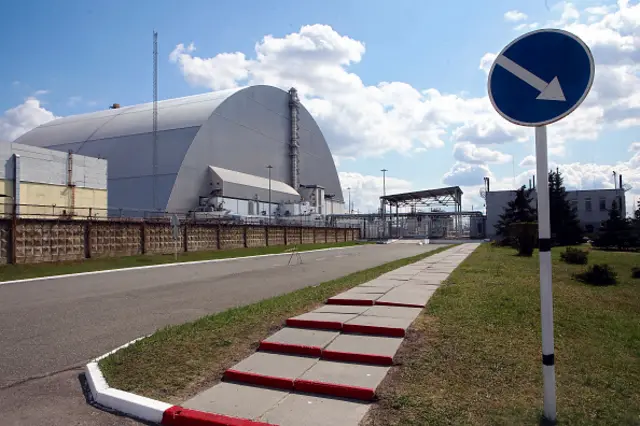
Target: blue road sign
<point>541,77</point>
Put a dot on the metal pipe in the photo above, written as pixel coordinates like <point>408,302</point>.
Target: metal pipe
<point>294,103</point>
<point>269,167</point>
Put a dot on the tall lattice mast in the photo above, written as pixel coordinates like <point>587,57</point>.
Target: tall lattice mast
<point>155,116</point>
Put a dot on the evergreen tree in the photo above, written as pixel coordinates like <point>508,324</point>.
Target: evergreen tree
<point>565,225</point>
<point>615,231</point>
<point>518,210</point>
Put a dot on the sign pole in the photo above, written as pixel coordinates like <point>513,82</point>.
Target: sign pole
<point>546,297</point>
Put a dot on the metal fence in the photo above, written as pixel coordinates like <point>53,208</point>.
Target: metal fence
<point>52,211</point>
<point>412,225</point>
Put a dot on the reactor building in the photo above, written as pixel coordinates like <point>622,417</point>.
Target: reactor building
<point>248,151</point>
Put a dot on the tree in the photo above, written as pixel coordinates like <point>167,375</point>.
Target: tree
<point>565,225</point>
<point>518,210</point>
<point>615,231</point>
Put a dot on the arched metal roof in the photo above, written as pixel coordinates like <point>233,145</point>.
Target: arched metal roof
<point>240,129</point>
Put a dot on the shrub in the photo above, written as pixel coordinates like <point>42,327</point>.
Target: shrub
<point>575,256</point>
<point>635,272</point>
<point>525,234</point>
<point>600,275</point>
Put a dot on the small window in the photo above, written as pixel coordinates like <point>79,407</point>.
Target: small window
<point>574,204</point>
<point>589,228</point>
<point>587,204</point>
<point>603,204</point>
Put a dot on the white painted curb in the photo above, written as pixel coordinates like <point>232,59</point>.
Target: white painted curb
<point>165,265</point>
<point>125,402</point>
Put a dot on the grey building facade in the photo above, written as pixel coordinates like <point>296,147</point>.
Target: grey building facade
<point>211,145</point>
<point>592,206</point>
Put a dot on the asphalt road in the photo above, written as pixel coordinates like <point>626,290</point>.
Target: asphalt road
<point>50,328</point>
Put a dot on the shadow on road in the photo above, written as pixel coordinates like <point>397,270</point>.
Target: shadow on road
<point>88,397</point>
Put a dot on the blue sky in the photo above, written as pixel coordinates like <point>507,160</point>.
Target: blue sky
<point>87,55</point>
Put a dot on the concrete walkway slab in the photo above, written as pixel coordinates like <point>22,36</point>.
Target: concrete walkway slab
<point>231,399</point>
<point>310,410</point>
<point>379,326</point>
<point>414,296</point>
<point>364,349</point>
<point>352,348</point>
<point>382,282</point>
<point>352,298</point>
<point>341,309</point>
<point>326,321</point>
<point>270,370</point>
<point>343,380</point>
<point>298,341</point>
<point>393,312</point>
<point>368,290</point>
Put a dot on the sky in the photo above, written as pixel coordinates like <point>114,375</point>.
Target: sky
<point>397,85</point>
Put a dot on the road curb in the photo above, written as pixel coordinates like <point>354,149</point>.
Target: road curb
<point>151,410</point>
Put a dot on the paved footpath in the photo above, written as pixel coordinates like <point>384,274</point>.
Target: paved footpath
<point>323,368</point>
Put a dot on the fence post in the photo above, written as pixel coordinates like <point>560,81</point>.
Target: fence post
<point>266,235</point>
<point>87,239</point>
<point>286,231</point>
<point>143,237</point>
<point>14,226</point>
<point>326,233</point>
<point>185,236</point>
<point>345,234</point>
<point>301,235</point>
<point>314,234</point>
<point>244,236</point>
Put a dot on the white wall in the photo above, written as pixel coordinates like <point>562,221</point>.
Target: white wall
<point>497,201</point>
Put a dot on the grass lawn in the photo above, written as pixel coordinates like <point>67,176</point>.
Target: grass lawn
<point>179,361</point>
<point>474,356</point>
<point>17,272</point>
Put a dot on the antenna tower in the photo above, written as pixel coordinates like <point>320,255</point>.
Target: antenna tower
<point>155,115</point>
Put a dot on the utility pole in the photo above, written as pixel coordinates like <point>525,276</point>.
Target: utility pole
<point>383,207</point>
<point>384,185</point>
<point>349,209</point>
<point>269,167</point>
<point>155,117</point>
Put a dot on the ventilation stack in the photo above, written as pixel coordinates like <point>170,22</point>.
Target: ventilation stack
<point>294,104</point>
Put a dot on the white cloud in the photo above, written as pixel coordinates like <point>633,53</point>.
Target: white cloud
<point>528,161</point>
<point>371,120</point>
<point>366,190</point>
<point>527,26</point>
<point>19,120</point>
<point>634,147</point>
<point>469,153</point>
<point>515,16</point>
<point>224,71</point>
<point>462,174</point>
<point>40,92</point>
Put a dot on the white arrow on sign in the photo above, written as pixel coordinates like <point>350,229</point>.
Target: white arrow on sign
<point>548,91</point>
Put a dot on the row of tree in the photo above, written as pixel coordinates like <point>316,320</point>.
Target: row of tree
<point>617,232</point>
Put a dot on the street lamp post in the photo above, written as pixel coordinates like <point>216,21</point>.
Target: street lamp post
<point>269,167</point>
<point>383,207</point>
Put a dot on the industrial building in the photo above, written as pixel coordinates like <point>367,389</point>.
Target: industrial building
<point>427,217</point>
<point>249,151</point>
<point>592,206</point>
<point>44,183</point>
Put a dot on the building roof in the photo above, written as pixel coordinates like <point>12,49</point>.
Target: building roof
<point>445,196</point>
<point>239,178</point>
<point>180,113</point>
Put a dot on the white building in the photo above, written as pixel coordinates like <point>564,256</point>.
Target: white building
<point>247,150</point>
<point>592,206</point>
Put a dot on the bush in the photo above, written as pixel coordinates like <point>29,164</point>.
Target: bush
<point>635,272</point>
<point>575,256</point>
<point>600,275</point>
<point>525,234</point>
